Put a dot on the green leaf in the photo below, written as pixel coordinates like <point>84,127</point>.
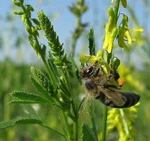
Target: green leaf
<point>23,97</point>
<point>43,52</point>
<point>94,125</point>
<point>63,87</point>
<point>28,121</point>
<point>40,89</point>
<point>18,12</point>
<point>17,3</point>
<point>35,21</point>
<point>12,123</point>
<point>31,111</point>
<point>51,35</point>
<point>24,121</point>
<point>53,73</point>
<point>116,63</point>
<point>53,41</point>
<point>43,81</point>
<point>7,124</point>
<point>75,70</point>
<point>22,101</point>
<point>85,58</point>
<point>88,134</point>
<point>91,42</point>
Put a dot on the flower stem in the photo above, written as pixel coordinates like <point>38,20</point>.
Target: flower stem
<point>76,130</point>
<point>117,9</point>
<point>67,128</point>
<point>124,122</point>
<point>104,128</point>
<point>44,125</point>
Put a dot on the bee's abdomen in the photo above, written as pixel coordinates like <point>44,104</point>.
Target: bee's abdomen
<point>131,99</point>
<point>105,100</point>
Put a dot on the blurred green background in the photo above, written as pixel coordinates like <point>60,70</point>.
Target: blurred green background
<point>16,58</point>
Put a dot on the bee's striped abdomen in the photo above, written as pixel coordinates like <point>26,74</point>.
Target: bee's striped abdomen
<point>130,99</point>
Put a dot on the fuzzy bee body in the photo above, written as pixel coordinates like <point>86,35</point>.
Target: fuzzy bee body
<point>97,85</point>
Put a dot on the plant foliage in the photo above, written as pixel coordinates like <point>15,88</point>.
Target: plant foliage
<point>55,83</point>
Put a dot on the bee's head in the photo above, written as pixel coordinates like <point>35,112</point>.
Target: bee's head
<point>90,71</point>
<point>87,72</point>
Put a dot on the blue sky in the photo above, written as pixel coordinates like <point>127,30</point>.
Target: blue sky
<point>64,21</point>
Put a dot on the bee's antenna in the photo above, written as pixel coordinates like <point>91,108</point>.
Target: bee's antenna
<point>88,60</point>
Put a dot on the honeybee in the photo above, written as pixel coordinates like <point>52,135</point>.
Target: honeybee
<point>101,87</point>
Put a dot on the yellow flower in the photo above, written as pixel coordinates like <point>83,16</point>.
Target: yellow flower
<point>86,58</point>
<point>121,38</point>
<point>124,33</point>
<point>110,31</point>
<point>124,3</point>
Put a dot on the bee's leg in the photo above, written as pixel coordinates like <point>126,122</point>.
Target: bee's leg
<point>107,86</point>
<point>88,60</point>
<point>110,75</point>
<point>104,100</point>
<point>90,85</point>
<point>116,75</point>
<point>113,75</point>
<point>96,72</point>
<point>99,95</point>
<point>108,80</point>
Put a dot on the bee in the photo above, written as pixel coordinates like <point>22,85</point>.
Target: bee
<point>101,87</point>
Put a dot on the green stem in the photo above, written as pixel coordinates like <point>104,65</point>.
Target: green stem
<point>109,56</point>
<point>76,130</point>
<point>117,9</point>
<point>104,128</point>
<point>67,127</point>
<point>67,80</point>
<point>124,122</point>
<point>76,121</point>
<point>74,42</point>
<point>49,72</point>
<point>54,130</point>
<point>6,108</point>
<point>77,32</point>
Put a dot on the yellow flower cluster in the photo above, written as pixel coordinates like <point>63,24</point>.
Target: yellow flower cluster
<point>110,30</point>
<point>124,3</point>
<point>122,120</point>
<point>120,32</point>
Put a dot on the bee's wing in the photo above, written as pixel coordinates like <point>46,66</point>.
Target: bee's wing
<point>131,98</point>
<point>85,109</point>
<point>118,99</point>
<point>114,98</point>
